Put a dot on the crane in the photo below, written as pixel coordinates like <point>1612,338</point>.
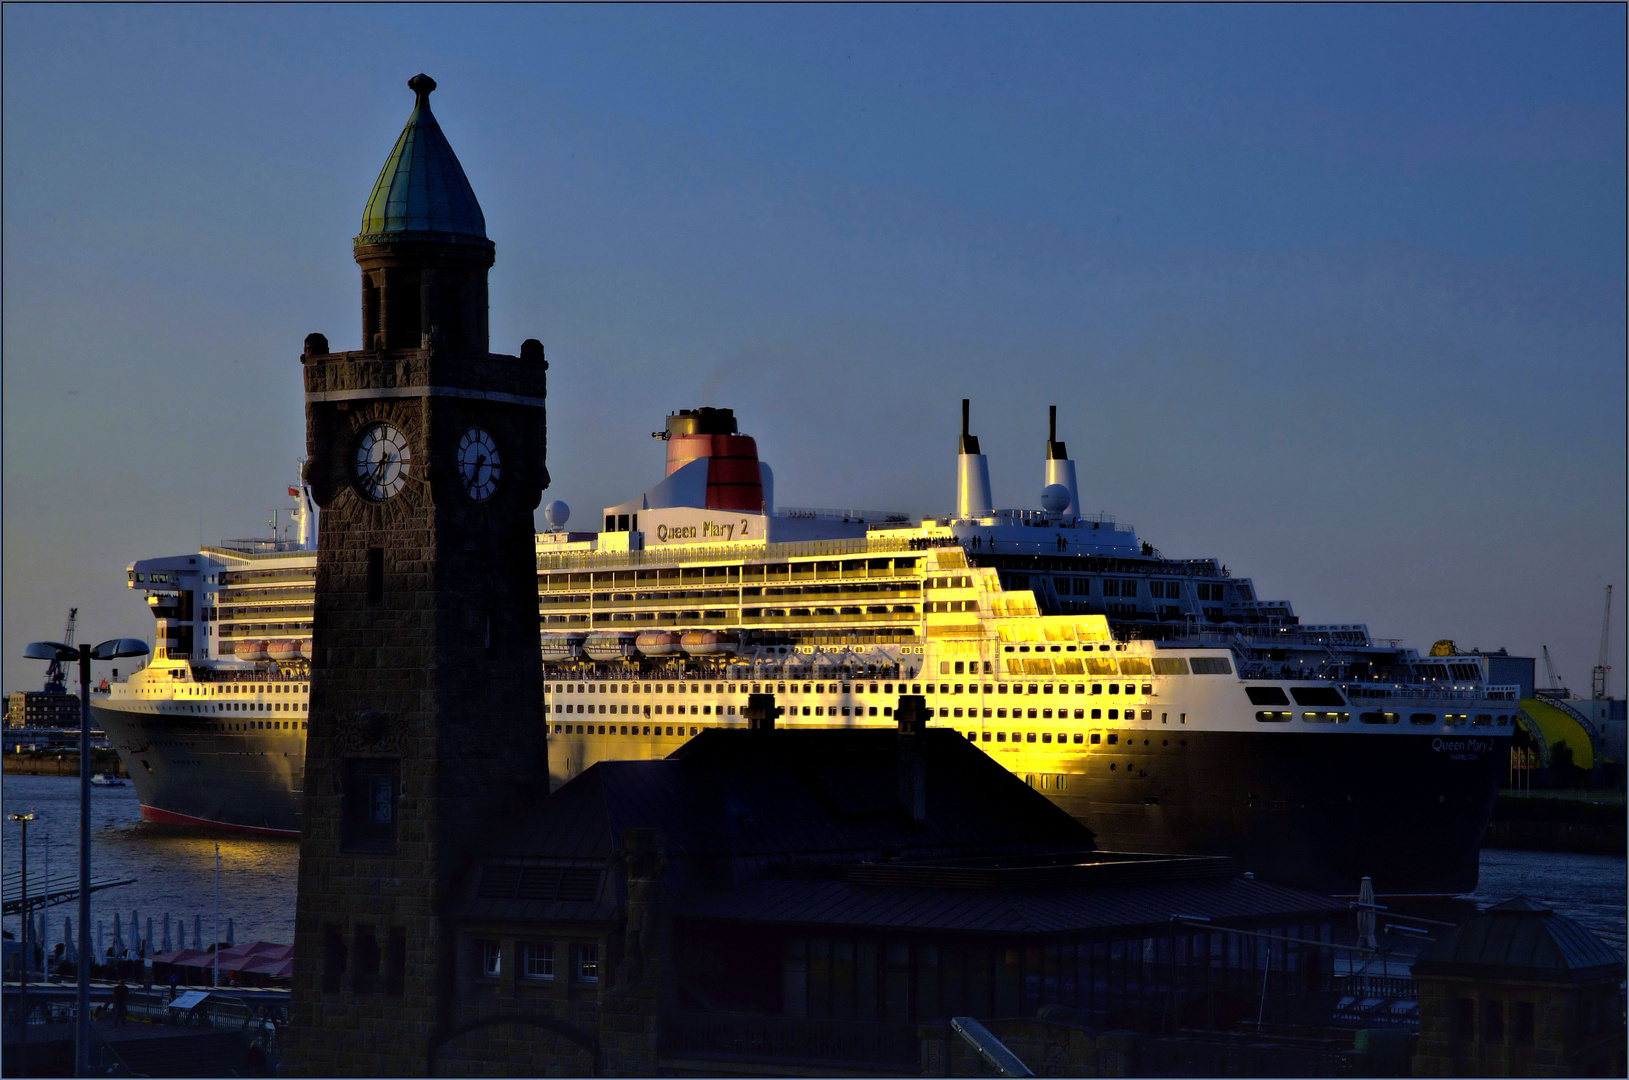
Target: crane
<point>1597,678</point>
<point>1556,688</point>
<point>56,676</point>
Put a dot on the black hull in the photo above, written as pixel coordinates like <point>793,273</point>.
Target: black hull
<point>184,774</point>
<point>1319,811</point>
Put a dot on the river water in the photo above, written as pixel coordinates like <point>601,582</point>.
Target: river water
<point>175,868</point>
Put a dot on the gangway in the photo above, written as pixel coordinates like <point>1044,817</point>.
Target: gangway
<point>58,890</point>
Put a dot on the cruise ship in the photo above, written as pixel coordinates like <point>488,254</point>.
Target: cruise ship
<point>1157,699</point>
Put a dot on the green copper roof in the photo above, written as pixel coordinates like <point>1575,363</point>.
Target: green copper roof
<point>422,188</point>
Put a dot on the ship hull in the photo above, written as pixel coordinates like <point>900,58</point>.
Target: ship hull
<point>1314,811</point>
<point>185,774</point>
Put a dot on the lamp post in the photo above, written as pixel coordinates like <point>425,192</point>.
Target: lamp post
<point>111,649</point>
<point>22,821</point>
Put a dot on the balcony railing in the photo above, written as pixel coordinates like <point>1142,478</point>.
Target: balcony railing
<point>723,553</point>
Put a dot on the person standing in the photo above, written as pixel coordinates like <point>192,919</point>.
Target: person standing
<point>121,1000</point>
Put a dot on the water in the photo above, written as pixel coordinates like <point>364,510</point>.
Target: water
<point>174,868</point>
<point>1588,888</point>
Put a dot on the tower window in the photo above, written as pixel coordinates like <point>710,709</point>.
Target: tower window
<point>450,313</point>
<point>491,959</point>
<point>402,311</point>
<point>588,963</point>
<point>370,311</point>
<point>369,813</point>
<point>396,961</point>
<point>366,968</point>
<point>333,957</point>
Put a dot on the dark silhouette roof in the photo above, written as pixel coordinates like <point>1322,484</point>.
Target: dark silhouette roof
<point>422,193</point>
<point>732,805</point>
<point>1017,910</point>
<point>1518,936</point>
<point>781,796</point>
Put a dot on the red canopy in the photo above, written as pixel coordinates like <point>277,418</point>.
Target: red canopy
<point>264,958</point>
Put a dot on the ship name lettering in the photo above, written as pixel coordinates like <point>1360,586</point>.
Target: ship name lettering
<point>707,530</point>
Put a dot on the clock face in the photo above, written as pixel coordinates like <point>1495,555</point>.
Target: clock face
<point>382,461</point>
<point>479,465</point>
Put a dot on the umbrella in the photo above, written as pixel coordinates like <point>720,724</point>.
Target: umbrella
<point>166,933</point>
<point>229,931</point>
<point>1365,919</point>
<point>70,952</point>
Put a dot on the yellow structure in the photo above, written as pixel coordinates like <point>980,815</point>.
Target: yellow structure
<point>1557,726</point>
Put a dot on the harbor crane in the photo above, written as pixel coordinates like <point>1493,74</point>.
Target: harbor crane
<point>56,676</point>
<point>1597,678</point>
<point>1556,689</point>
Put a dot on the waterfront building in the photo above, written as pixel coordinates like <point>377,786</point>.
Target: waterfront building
<point>425,455</point>
<point>42,709</point>
<point>798,902</point>
<point>1520,990</point>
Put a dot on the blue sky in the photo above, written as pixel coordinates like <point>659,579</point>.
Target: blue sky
<point>1335,294</point>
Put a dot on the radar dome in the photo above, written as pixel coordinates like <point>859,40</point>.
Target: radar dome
<point>557,513</point>
<point>1054,498</point>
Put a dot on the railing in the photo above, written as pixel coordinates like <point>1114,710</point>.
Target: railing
<point>1382,693</point>
<point>798,1038</point>
<point>1378,986</point>
<point>824,513</point>
<point>716,553</point>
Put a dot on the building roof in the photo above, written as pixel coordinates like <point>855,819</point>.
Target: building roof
<point>732,805</point>
<point>422,192</point>
<point>1518,937</point>
<point>782,796</point>
<point>1019,910</point>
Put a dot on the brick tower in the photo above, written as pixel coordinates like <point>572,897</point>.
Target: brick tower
<point>425,452</point>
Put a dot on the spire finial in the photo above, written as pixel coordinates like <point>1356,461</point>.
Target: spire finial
<point>421,85</point>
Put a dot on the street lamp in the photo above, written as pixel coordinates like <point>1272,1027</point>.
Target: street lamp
<point>111,649</point>
<point>22,821</point>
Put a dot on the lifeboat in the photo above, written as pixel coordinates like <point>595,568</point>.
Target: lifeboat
<point>709,643</point>
<point>283,650</point>
<point>609,646</point>
<point>305,648</point>
<point>252,650</point>
<point>558,648</point>
<point>657,643</point>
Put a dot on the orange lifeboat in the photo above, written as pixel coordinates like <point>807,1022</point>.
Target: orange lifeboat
<point>657,643</point>
<point>709,643</point>
<point>252,651</point>
<point>283,650</point>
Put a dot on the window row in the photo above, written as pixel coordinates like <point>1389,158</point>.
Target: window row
<point>1018,689</point>
<point>1419,719</point>
<point>536,960</point>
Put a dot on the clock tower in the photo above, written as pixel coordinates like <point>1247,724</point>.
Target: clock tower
<point>425,452</point>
